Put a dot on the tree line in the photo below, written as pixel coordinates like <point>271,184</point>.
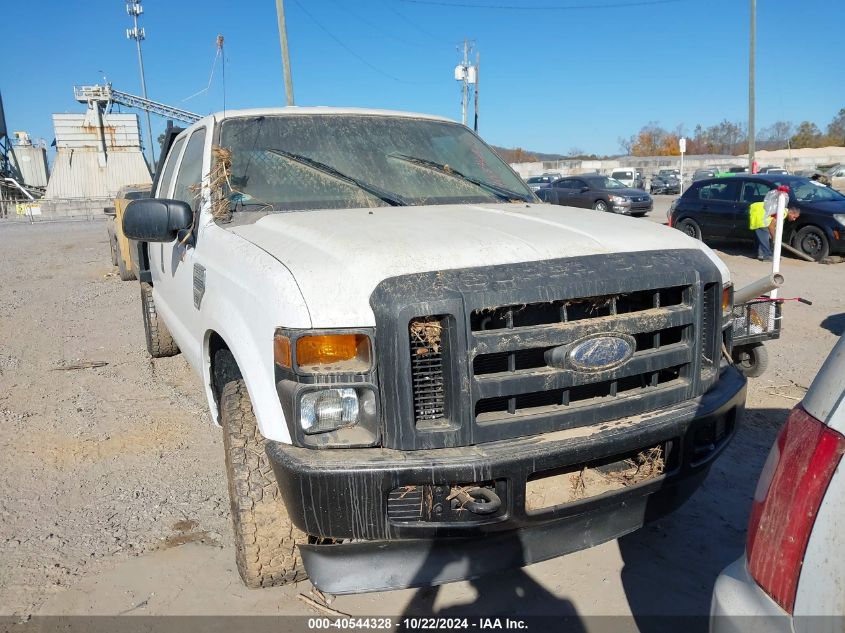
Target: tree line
<point>730,137</point>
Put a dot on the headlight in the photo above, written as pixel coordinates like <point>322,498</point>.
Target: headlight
<point>618,199</point>
<point>327,386</point>
<point>839,217</point>
<point>332,409</point>
<point>328,410</point>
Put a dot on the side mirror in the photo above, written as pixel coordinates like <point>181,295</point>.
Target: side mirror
<point>583,189</point>
<point>156,220</point>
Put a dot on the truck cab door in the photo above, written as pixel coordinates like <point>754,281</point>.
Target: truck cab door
<point>173,264</point>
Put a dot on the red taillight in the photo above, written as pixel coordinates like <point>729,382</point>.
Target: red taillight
<point>791,487</point>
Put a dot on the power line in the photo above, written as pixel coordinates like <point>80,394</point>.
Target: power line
<point>387,5</point>
<point>345,47</point>
<point>370,24</point>
<point>568,7</point>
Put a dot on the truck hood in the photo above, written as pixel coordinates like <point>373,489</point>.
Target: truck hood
<point>339,256</point>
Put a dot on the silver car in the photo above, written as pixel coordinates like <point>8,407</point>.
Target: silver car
<point>793,570</point>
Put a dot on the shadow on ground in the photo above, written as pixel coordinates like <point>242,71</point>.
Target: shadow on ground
<point>835,324</point>
<point>671,565</point>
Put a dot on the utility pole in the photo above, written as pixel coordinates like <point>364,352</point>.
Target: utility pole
<point>467,75</point>
<point>465,87</point>
<point>751,104</point>
<point>477,79</point>
<point>283,40</point>
<point>134,8</point>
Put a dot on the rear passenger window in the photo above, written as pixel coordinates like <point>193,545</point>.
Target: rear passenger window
<point>169,168</point>
<point>722,191</point>
<point>754,192</point>
<point>190,171</point>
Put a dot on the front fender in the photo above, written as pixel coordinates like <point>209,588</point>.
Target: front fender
<point>247,294</point>
<point>255,361</point>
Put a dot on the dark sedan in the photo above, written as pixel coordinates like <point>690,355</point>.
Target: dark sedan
<point>717,208</point>
<point>667,183</point>
<point>594,191</point>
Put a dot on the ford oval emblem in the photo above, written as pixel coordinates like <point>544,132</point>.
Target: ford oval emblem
<point>598,353</point>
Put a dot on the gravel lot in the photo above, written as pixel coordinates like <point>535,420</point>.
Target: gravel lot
<point>113,496</point>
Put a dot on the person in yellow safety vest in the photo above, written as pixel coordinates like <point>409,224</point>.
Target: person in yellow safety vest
<point>761,223</point>
<point>758,221</point>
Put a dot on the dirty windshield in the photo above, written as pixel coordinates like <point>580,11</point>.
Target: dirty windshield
<point>300,162</point>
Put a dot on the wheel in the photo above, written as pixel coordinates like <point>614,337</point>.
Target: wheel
<point>812,241</point>
<point>690,227</point>
<point>600,205</point>
<point>126,273</point>
<point>159,342</point>
<point>752,360</point>
<point>112,244</point>
<point>265,539</point>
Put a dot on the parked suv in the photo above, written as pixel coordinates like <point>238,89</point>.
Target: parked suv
<point>422,373</point>
<point>594,191</point>
<point>717,208</point>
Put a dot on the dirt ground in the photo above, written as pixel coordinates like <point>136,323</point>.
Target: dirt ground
<point>113,496</point>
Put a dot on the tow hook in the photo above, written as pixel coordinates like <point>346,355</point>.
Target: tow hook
<point>477,500</point>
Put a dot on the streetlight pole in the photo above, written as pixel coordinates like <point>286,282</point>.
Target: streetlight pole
<point>751,104</point>
<point>283,40</point>
<point>134,8</point>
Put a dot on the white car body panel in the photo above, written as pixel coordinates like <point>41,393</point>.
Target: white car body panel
<point>317,269</point>
<point>736,594</point>
<point>821,585</point>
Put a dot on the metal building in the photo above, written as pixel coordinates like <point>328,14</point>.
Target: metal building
<point>96,154</point>
<point>29,161</point>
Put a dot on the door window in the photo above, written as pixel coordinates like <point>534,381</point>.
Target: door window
<point>190,170</point>
<point>722,191</point>
<point>754,192</point>
<point>169,168</point>
<point>564,184</point>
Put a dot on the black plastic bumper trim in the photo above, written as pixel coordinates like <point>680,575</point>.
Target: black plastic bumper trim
<point>342,493</point>
<point>387,565</point>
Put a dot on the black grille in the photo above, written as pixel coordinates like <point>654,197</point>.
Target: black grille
<point>506,368</point>
<point>513,380</point>
<point>426,343</point>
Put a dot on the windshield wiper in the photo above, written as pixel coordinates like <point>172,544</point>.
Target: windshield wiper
<point>500,192</point>
<point>388,197</point>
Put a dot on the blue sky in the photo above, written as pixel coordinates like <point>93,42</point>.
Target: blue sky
<point>551,79</point>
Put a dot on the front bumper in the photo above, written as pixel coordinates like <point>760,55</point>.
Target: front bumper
<point>740,606</point>
<point>343,494</point>
<point>630,208</point>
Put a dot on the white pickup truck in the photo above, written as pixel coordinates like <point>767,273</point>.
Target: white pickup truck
<point>423,373</point>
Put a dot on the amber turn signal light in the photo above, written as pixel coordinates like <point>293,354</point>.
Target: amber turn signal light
<point>342,352</point>
<point>727,299</point>
<point>281,351</point>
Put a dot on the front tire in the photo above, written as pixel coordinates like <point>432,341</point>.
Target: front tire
<point>159,342</point>
<point>812,241</point>
<point>600,205</point>
<point>689,227</point>
<point>265,539</point>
